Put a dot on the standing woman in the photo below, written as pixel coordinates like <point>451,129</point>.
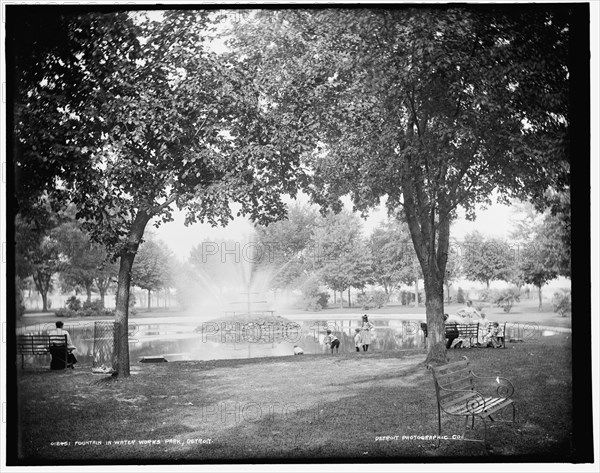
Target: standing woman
<point>365,330</point>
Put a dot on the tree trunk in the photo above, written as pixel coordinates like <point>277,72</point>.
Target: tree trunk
<point>341,299</point>
<point>123,286</point>
<point>88,290</point>
<point>44,295</point>
<point>149,297</point>
<point>102,292</point>
<point>487,282</point>
<point>434,309</point>
<point>349,301</point>
<point>421,218</point>
<point>42,284</point>
<point>540,297</point>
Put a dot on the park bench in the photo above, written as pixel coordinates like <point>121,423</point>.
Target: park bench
<point>452,329</point>
<point>44,345</point>
<point>459,393</point>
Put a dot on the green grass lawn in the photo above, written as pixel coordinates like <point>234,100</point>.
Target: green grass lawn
<point>313,407</point>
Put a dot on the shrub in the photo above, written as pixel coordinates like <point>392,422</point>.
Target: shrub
<point>94,306</point>
<point>132,302</point>
<point>487,295</point>
<point>65,313</point>
<point>372,299</point>
<point>72,303</point>
<point>460,296</point>
<point>313,299</point>
<point>506,299</point>
<point>561,302</point>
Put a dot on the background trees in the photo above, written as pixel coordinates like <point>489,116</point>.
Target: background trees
<point>286,251</point>
<point>392,256</point>
<point>342,256</point>
<point>487,259</point>
<point>153,267</point>
<point>38,253</point>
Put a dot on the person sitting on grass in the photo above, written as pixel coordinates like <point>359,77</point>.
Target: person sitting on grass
<point>357,339</point>
<point>491,338</point>
<point>332,340</point>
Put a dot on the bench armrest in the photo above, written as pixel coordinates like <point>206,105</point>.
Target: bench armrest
<point>504,388</point>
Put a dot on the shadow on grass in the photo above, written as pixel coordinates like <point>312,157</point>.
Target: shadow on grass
<point>355,416</point>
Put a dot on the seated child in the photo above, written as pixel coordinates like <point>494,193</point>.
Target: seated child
<point>357,339</point>
<point>332,340</point>
<point>491,338</point>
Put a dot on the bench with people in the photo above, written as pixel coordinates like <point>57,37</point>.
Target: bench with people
<point>468,326</point>
<point>56,343</point>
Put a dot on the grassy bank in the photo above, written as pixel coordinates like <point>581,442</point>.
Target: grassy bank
<point>308,407</point>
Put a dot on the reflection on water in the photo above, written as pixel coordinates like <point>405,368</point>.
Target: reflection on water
<point>211,341</point>
<point>187,341</point>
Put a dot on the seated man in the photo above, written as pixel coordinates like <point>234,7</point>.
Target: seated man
<point>58,351</point>
<point>451,330</point>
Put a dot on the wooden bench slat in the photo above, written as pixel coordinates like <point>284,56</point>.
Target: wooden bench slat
<point>455,400</point>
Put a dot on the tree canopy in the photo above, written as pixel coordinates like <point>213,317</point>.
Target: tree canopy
<point>124,116</point>
<point>432,107</point>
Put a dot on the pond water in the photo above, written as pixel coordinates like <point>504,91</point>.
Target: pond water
<point>210,341</point>
<point>190,340</point>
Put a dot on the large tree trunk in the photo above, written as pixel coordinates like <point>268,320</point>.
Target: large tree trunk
<point>540,297</point>
<point>149,297</point>
<point>349,301</point>
<point>420,214</point>
<point>123,286</point>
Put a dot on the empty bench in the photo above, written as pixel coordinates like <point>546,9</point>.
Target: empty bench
<point>44,345</point>
<point>461,393</point>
